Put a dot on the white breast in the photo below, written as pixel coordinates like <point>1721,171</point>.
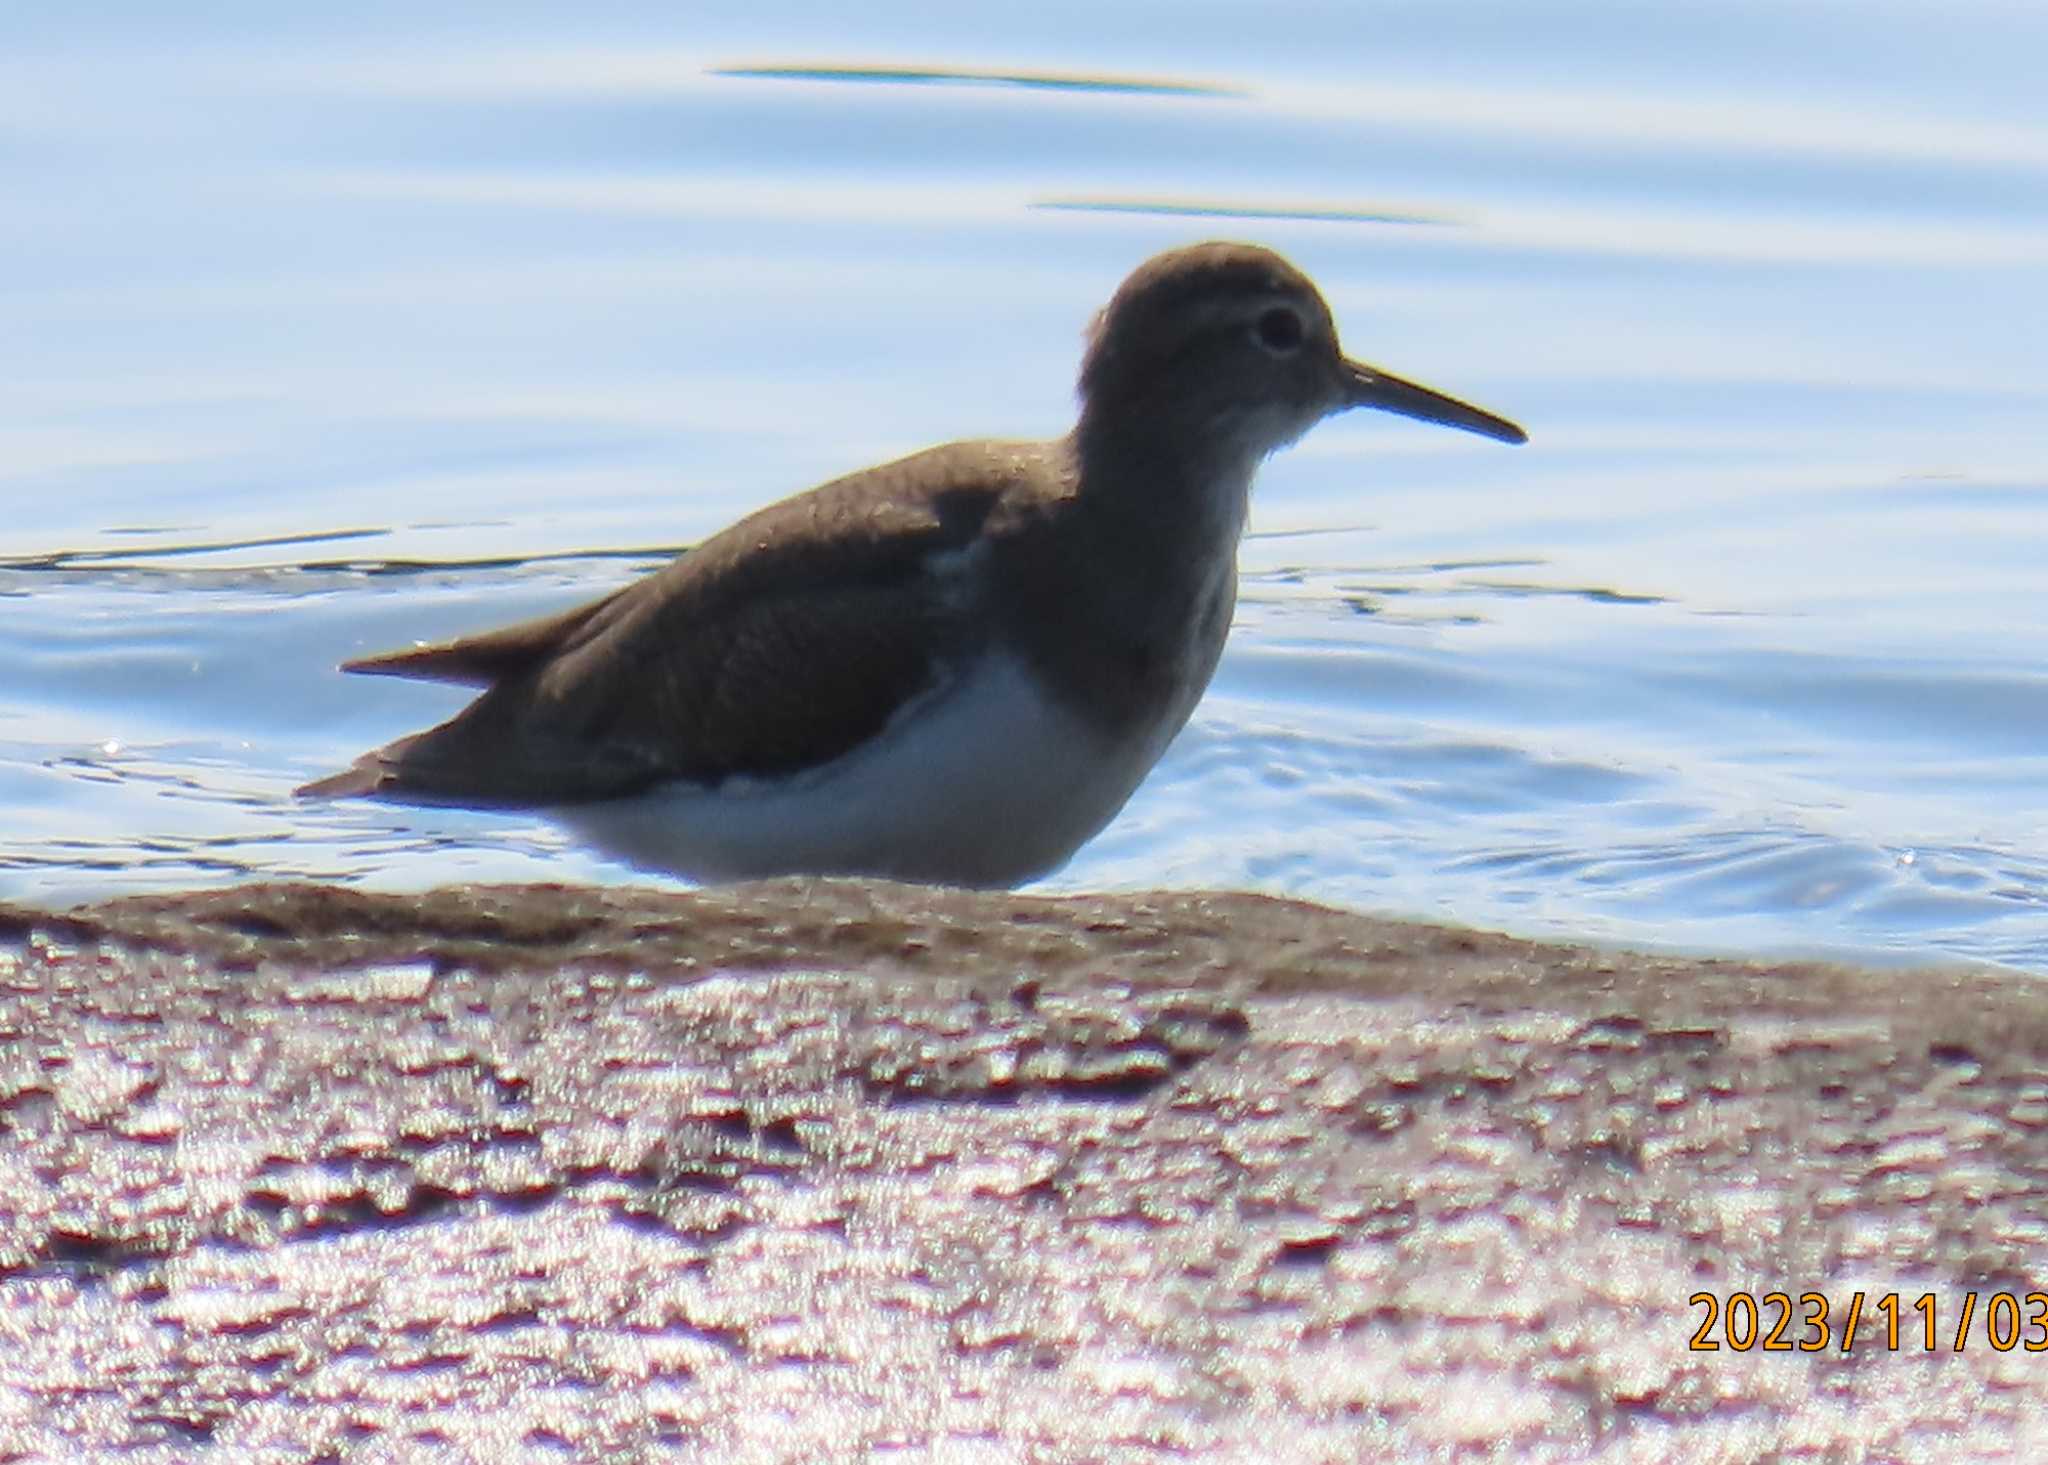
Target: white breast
<point>987,782</point>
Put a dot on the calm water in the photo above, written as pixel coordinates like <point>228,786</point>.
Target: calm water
<point>319,335</point>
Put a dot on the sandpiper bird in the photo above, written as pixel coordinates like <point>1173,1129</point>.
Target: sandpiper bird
<point>953,668</point>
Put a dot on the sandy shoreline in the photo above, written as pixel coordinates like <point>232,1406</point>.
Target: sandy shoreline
<point>805,1170</point>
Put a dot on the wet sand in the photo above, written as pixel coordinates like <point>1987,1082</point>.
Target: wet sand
<point>809,1170</point>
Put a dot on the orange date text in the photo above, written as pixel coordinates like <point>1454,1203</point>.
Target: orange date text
<point>1812,1322</point>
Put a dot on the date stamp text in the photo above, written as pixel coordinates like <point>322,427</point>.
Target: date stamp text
<point>1778,1322</point>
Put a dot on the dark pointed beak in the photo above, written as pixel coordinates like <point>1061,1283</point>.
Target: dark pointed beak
<point>1368,386</point>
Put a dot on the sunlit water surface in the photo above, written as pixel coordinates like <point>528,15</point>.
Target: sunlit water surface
<point>327,333</point>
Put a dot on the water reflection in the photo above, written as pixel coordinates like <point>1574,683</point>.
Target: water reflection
<point>362,327</point>
<point>975,76</point>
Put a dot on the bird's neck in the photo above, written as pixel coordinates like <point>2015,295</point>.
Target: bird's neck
<point>1177,490</point>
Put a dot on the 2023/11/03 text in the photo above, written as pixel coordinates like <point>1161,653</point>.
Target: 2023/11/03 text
<point>1777,1322</point>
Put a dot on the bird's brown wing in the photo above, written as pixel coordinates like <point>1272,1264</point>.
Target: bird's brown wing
<point>778,645</point>
<point>489,657</point>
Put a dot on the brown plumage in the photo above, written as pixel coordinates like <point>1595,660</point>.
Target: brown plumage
<point>953,667</point>
<point>780,643</point>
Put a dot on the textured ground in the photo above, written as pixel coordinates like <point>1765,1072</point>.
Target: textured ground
<point>815,1171</point>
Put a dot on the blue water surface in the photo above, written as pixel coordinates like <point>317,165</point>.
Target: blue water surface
<point>330,329</point>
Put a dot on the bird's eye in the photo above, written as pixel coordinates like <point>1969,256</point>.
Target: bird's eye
<point>1280,330</point>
